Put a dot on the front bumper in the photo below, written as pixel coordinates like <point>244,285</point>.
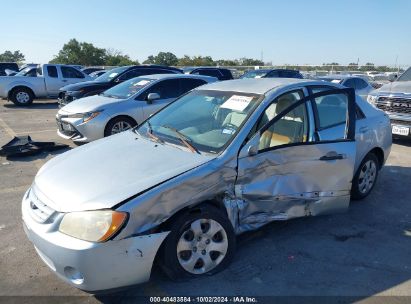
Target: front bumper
<point>77,131</point>
<point>92,266</point>
<point>66,97</point>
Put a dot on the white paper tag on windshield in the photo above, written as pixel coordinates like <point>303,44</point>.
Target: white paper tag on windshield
<point>141,83</point>
<point>237,103</point>
<point>113,75</point>
<point>335,81</point>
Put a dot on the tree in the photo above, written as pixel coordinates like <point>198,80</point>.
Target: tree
<point>184,61</point>
<point>116,58</point>
<point>226,62</point>
<point>150,60</point>
<point>82,53</point>
<point>163,58</point>
<point>250,62</point>
<point>9,56</point>
<point>202,61</point>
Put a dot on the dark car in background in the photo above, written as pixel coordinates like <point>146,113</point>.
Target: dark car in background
<point>97,73</point>
<point>219,73</point>
<point>90,70</point>
<point>110,79</point>
<point>272,73</point>
<point>8,66</point>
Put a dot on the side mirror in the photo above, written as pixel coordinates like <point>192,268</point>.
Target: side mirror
<point>251,147</point>
<point>252,150</point>
<point>152,96</point>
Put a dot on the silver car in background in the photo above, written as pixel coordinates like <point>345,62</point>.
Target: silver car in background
<point>226,158</point>
<point>361,85</point>
<point>123,106</point>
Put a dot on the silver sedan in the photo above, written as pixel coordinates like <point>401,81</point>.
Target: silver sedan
<point>123,106</point>
<point>226,158</point>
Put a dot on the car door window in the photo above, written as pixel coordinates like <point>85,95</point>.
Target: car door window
<point>157,71</point>
<point>130,74</point>
<point>350,83</point>
<point>291,128</point>
<point>52,71</point>
<point>331,110</point>
<point>279,105</point>
<point>273,74</point>
<point>188,84</point>
<point>169,88</point>
<point>360,84</point>
<point>69,72</point>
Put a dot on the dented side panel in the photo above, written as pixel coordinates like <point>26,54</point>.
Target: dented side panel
<point>292,182</point>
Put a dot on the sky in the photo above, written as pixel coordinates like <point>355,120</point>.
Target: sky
<point>282,31</point>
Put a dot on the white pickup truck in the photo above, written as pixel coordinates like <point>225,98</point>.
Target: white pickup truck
<point>45,83</point>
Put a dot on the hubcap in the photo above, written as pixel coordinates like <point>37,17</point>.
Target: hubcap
<point>120,127</point>
<point>22,97</point>
<point>202,246</point>
<point>367,176</point>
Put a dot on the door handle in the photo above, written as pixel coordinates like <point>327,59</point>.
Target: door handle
<point>64,80</point>
<point>332,155</point>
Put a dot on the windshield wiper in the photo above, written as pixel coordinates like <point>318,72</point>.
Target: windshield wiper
<point>150,133</point>
<point>184,139</point>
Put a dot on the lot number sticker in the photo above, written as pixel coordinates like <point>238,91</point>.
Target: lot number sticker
<point>237,103</point>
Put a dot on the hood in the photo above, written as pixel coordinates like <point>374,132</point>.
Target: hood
<point>88,104</point>
<point>85,84</point>
<point>106,172</point>
<point>396,87</point>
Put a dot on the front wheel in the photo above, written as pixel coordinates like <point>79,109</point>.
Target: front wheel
<point>365,177</point>
<point>118,125</point>
<point>198,244</point>
<point>22,97</point>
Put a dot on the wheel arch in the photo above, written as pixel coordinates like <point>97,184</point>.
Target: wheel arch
<point>194,208</point>
<point>11,90</point>
<point>116,117</point>
<point>379,153</point>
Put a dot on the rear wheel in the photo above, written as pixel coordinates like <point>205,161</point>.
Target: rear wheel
<point>365,177</point>
<point>198,244</point>
<point>22,96</point>
<point>118,125</point>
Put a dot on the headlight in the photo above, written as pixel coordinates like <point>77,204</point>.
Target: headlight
<point>372,98</point>
<point>89,116</point>
<point>86,116</point>
<point>93,226</point>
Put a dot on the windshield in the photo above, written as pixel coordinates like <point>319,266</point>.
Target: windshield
<point>128,88</point>
<point>207,120</point>
<point>406,76</point>
<point>29,71</point>
<point>254,74</point>
<point>109,75</point>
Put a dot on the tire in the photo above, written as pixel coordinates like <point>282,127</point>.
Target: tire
<point>114,126</point>
<point>366,177</point>
<point>187,250</point>
<point>22,96</point>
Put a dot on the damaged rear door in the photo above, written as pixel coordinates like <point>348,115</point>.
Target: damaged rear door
<point>286,170</point>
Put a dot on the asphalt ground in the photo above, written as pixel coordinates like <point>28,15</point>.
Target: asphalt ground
<point>364,253</point>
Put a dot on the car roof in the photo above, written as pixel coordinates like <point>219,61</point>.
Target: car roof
<point>257,85</point>
<point>338,77</point>
<point>171,76</point>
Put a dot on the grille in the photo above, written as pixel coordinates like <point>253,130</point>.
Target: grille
<point>65,131</point>
<point>39,210</point>
<point>394,104</point>
<point>401,122</point>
